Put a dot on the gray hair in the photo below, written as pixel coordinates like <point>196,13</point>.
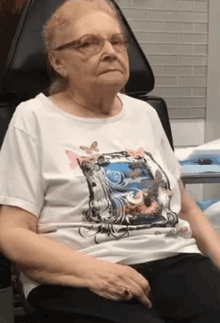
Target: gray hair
<point>59,19</point>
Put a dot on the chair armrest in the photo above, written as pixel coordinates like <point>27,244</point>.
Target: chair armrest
<point>6,113</point>
<point>5,272</point>
<point>6,291</point>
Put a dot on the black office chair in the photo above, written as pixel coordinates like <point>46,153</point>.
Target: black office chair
<point>26,75</point>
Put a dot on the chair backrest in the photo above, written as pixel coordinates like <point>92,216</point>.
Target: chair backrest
<point>10,12</point>
<point>25,73</point>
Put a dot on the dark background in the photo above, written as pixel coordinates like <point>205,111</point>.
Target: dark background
<point>9,15</point>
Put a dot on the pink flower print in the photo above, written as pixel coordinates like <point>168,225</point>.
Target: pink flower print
<point>74,158</point>
<point>138,153</point>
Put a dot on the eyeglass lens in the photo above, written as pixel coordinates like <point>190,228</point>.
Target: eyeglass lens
<point>93,43</point>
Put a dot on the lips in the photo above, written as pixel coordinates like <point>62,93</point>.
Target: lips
<point>110,71</point>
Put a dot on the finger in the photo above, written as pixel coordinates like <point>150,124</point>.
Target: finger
<point>142,282</point>
<point>127,295</point>
<point>140,295</point>
<point>145,300</point>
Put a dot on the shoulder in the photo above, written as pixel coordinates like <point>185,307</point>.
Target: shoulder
<point>27,113</point>
<point>29,106</point>
<point>138,106</point>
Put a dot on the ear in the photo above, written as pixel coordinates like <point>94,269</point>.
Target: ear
<point>57,62</point>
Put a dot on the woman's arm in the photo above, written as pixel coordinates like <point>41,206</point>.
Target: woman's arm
<point>50,262</point>
<point>42,259</point>
<point>207,238</point>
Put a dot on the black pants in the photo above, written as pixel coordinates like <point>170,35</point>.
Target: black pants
<point>184,288</point>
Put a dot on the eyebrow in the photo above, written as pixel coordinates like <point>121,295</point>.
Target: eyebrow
<point>114,34</point>
<point>77,40</point>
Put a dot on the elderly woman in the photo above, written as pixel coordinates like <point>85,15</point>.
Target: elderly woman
<point>93,211</point>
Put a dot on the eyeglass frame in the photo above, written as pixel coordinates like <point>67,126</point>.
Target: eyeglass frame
<point>78,45</point>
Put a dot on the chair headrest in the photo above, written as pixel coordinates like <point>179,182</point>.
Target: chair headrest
<point>26,72</point>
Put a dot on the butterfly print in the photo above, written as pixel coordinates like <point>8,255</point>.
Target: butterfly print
<point>146,181</point>
<point>90,149</point>
<point>88,161</point>
<point>80,160</point>
<point>138,153</point>
<point>159,180</point>
<point>133,174</point>
<point>74,158</point>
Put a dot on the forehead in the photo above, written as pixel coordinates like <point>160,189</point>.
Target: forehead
<point>94,22</point>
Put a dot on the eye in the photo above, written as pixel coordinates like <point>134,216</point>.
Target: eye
<point>89,42</point>
<point>116,41</point>
<point>86,44</point>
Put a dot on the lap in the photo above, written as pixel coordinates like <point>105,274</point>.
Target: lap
<point>179,291</point>
<point>77,302</point>
<point>189,291</point>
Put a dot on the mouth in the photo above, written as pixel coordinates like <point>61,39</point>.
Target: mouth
<point>107,71</point>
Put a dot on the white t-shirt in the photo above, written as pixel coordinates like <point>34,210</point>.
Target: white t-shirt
<point>106,186</point>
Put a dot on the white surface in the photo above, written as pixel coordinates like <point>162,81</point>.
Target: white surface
<point>183,153</point>
<point>200,191</point>
<point>195,191</point>
<point>188,133</point>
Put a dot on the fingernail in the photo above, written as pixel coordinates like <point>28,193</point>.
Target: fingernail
<point>149,305</point>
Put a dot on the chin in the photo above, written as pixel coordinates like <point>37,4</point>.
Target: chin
<point>114,83</point>
<point>113,87</point>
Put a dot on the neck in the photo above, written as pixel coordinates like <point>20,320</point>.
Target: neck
<point>104,104</point>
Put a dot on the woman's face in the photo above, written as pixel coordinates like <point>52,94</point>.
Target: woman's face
<point>93,71</point>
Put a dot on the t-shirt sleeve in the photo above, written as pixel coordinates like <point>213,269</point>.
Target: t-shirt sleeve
<point>20,172</point>
<point>167,152</point>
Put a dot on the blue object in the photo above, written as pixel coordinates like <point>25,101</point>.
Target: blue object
<point>201,162</point>
<point>204,204</point>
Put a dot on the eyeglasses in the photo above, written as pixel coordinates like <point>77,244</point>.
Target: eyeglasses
<point>92,43</point>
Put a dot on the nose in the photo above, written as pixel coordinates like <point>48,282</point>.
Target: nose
<point>109,50</point>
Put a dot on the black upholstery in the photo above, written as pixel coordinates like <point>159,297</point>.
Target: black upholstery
<point>26,69</point>
<point>26,75</point>
<point>160,106</point>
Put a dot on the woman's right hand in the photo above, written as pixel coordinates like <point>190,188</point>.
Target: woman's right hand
<point>110,280</point>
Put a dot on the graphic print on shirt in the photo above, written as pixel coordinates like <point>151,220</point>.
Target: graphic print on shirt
<point>128,191</point>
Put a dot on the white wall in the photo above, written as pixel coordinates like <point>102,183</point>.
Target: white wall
<point>189,133</point>
<point>212,130</point>
<point>174,37</point>
<point>211,125</point>
<point>181,40</point>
